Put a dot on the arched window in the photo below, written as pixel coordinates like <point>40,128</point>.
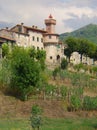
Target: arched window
<point>58,57</point>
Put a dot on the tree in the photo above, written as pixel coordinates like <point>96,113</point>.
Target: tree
<point>91,50</point>
<point>25,72</point>
<point>83,47</point>
<point>32,52</point>
<point>94,53</point>
<point>5,50</point>
<point>41,56</point>
<point>72,45</point>
<point>36,117</point>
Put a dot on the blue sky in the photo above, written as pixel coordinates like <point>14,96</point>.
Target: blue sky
<point>70,14</point>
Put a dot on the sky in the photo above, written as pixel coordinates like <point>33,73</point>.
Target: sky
<point>70,14</point>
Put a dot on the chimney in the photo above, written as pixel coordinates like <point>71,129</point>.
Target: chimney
<point>33,26</point>
<point>22,24</point>
<point>6,28</point>
<point>22,28</point>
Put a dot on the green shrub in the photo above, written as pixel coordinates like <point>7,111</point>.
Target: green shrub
<point>36,117</point>
<point>63,91</point>
<point>25,72</point>
<point>64,64</point>
<point>80,66</point>
<point>94,70</point>
<point>55,72</point>
<point>50,89</point>
<point>75,102</point>
<point>5,50</point>
<point>90,103</point>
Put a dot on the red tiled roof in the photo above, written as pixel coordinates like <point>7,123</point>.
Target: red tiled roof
<point>7,38</point>
<point>34,28</point>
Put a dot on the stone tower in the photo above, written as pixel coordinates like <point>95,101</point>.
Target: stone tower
<point>51,42</point>
<point>50,25</point>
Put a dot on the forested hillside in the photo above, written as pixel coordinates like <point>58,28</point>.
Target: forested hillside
<point>89,32</point>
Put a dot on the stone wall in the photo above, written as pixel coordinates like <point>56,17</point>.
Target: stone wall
<point>76,59</point>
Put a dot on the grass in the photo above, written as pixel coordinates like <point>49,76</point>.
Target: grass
<point>51,124</point>
<point>14,124</point>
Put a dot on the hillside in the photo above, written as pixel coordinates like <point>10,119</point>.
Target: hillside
<point>89,32</point>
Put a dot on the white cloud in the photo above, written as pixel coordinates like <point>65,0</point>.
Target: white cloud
<point>35,11</point>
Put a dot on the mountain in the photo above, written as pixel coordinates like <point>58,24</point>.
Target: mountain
<point>5,24</point>
<point>88,32</point>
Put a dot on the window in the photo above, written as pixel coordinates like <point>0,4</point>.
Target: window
<point>20,29</point>
<point>58,57</point>
<point>51,57</point>
<point>37,39</point>
<point>33,38</point>
<point>50,36</point>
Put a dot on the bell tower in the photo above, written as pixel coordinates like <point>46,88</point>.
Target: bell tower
<point>50,24</point>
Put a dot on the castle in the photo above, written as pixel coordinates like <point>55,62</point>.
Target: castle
<point>45,39</point>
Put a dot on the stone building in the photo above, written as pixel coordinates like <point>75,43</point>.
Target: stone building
<point>54,48</point>
<point>46,39</point>
<point>76,59</point>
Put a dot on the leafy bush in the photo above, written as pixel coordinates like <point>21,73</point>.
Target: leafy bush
<point>55,72</point>
<point>94,70</point>
<point>64,64</point>
<point>5,50</point>
<point>90,103</point>
<point>80,79</point>
<point>78,91</point>
<point>63,91</point>
<point>75,102</point>
<point>50,89</point>
<point>25,72</point>
<point>36,117</point>
<point>80,66</point>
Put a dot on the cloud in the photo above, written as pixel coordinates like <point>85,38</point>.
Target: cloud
<point>70,14</point>
<point>80,22</point>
